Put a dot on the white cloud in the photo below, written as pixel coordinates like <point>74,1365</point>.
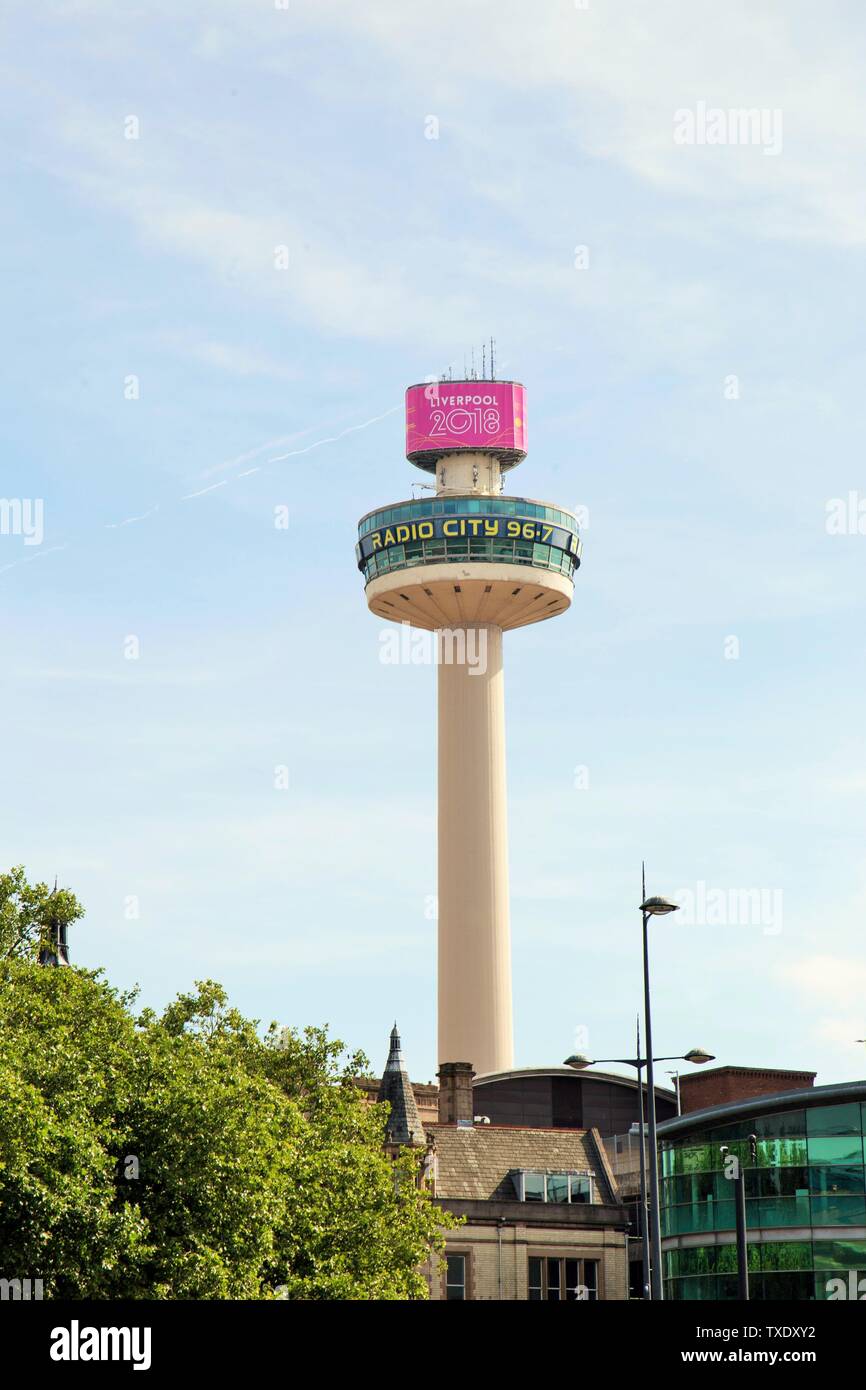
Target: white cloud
<point>339,292</point>
<point>236,359</point>
<point>621,72</point>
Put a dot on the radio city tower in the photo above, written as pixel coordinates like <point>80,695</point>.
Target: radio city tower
<point>469,564</point>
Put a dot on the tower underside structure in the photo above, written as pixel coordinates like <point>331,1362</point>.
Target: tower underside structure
<point>469,564</point>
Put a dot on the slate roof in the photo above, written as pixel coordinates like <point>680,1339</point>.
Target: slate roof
<point>475,1164</point>
<point>404,1122</point>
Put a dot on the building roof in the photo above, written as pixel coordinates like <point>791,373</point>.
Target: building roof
<point>476,1163</point>
<point>766,1104</point>
<point>404,1122</point>
<point>608,1077</point>
<point>798,1072</point>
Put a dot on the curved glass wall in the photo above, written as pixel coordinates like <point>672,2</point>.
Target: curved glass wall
<point>495,530</point>
<point>808,1176</point>
<point>465,506</point>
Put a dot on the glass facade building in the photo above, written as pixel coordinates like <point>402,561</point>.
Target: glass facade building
<point>803,1157</point>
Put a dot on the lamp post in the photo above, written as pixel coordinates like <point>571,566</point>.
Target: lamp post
<point>644,1223</point>
<point>676,1077</point>
<point>652,907</point>
<point>739,1179</point>
<point>698,1057</point>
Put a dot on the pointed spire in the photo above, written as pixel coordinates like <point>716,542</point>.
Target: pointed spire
<point>404,1122</point>
<point>55,950</point>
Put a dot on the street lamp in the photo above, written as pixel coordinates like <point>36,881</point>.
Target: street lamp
<point>676,1077</point>
<point>652,907</point>
<point>578,1062</point>
<point>740,1213</point>
<point>696,1055</point>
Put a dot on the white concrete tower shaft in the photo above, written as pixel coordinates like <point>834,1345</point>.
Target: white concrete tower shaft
<point>474,974</point>
<point>475,1022</point>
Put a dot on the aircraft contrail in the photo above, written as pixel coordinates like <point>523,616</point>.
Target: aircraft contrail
<point>37,556</point>
<point>241,458</point>
<point>128,520</point>
<point>332,438</point>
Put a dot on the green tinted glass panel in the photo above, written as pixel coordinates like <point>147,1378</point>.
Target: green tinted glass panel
<point>781,1288</point>
<point>698,1290</point>
<point>846,1148</point>
<point>777,1182</point>
<point>778,1211</point>
<point>831,1179</point>
<point>840,1254</point>
<point>834,1119</point>
<point>838,1211</point>
<point>726,1259</point>
<point>794,1254</point>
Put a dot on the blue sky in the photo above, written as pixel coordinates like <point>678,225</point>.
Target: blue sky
<point>306,128</point>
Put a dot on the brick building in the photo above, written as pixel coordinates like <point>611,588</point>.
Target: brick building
<point>721,1085</point>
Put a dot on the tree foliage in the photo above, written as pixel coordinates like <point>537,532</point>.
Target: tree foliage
<point>29,912</point>
<point>188,1156</point>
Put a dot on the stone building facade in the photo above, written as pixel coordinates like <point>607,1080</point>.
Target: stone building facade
<point>542,1217</point>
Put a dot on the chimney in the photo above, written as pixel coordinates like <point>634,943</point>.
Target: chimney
<point>456,1103</point>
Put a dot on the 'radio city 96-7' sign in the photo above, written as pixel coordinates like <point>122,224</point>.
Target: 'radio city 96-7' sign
<point>469,528</point>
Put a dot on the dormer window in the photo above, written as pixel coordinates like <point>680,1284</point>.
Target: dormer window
<point>552,1187</point>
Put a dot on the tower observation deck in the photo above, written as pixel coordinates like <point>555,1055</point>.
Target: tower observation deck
<point>470,564</point>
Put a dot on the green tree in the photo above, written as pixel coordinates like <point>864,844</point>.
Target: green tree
<point>28,912</point>
<point>186,1156</point>
<point>354,1224</point>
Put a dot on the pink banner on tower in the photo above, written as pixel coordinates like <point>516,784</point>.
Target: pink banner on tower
<point>445,415</point>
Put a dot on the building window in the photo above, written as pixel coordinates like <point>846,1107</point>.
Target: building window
<point>455,1277</point>
<point>557,1279</point>
<point>552,1187</point>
